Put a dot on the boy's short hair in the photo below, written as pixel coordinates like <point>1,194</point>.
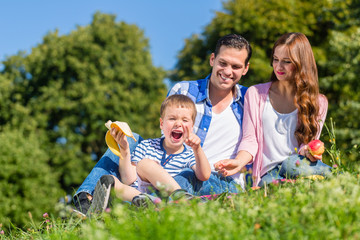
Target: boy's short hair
<point>178,100</point>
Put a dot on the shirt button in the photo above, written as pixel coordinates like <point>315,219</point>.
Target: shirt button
<point>204,129</point>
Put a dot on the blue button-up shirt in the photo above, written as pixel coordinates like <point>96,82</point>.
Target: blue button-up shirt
<point>198,91</point>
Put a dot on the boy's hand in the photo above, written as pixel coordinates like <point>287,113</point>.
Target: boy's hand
<point>192,139</point>
<point>120,138</point>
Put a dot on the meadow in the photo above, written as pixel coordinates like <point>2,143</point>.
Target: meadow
<point>301,209</point>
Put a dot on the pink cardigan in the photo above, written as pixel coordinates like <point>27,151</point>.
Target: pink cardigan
<point>252,140</point>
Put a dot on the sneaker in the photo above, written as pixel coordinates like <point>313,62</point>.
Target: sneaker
<point>101,198</point>
<point>181,194</point>
<point>145,200</point>
<point>82,203</point>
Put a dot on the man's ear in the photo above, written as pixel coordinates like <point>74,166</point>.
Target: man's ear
<point>246,69</point>
<point>212,59</point>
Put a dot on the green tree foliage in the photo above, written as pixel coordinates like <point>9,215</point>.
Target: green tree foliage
<point>27,182</point>
<point>332,28</point>
<point>71,85</point>
<point>261,23</point>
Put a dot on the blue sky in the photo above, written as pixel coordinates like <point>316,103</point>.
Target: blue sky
<point>165,22</point>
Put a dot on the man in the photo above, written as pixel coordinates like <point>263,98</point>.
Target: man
<point>219,104</point>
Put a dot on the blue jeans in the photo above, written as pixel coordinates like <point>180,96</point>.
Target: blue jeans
<point>107,165</point>
<point>215,185</point>
<point>295,166</point>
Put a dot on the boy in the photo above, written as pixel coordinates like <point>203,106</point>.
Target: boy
<point>157,160</point>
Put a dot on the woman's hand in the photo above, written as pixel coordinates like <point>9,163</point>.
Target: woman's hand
<point>228,167</point>
<point>308,155</point>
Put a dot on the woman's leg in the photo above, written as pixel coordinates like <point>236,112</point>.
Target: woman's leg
<point>299,166</point>
<point>272,175</point>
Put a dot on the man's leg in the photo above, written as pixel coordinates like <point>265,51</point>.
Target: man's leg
<point>215,185</point>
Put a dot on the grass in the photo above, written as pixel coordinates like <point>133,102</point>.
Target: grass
<point>304,209</point>
<point>301,209</point>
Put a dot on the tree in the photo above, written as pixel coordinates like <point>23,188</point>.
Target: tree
<point>27,182</point>
<point>332,29</point>
<point>261,23</point>
<point>72,84</point>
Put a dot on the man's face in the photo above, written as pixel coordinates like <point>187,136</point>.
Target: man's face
<point>227,68</point>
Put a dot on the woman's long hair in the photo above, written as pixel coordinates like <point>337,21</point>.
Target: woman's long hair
<point>305,83</point>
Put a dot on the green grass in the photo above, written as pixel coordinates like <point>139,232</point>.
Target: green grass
<point>306,209</point>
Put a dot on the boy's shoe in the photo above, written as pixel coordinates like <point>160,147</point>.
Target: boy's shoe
<point>101,198</point>
<point>82,203</point>
<point>145,200</point>
<point>182,194</point>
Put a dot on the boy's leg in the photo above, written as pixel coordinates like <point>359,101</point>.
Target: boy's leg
<point>107,165</point>
<point>150,171</point>
<point>298,165</point>
<point>101,198</point>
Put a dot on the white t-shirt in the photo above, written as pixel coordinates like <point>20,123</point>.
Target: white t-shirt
<point>223,132</point>
<point>279,138</point>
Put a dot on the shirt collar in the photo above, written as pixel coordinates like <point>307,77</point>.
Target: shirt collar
<point>204,91</point>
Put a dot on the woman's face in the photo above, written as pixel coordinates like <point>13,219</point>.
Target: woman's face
<point>284,69</point>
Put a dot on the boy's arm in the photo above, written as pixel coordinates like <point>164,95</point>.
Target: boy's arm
<point>202,167</point>
<point>126,169</point>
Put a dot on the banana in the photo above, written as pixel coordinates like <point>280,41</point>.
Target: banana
<point>110,141</point>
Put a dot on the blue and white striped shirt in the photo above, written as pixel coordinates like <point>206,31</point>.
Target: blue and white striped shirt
<point>198,91</point>
<point>173,163</point>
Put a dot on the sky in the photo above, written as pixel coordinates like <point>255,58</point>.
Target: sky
<point>166,23</point>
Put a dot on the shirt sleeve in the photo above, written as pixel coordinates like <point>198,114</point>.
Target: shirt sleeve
<point>139,153</point>
<point>249,141</point>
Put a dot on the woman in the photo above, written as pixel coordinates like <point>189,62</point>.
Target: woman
<point>282,116</point>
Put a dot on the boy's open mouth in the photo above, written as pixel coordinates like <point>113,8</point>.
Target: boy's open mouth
<point>176,135</point>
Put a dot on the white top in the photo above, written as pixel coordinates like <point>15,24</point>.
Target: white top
<point>279,138</point>
<point>224,130</point>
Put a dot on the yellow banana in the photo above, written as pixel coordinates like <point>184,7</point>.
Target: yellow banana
<point>110,141</point>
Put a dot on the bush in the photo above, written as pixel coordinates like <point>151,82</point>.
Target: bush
<point>27,182</point>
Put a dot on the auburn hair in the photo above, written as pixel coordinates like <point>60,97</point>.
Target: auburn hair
<point>305,84</point>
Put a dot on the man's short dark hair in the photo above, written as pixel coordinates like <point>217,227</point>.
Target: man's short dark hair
<point>234,41</point>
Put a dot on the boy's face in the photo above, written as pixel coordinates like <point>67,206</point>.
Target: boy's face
<point>176,125</point>
<point>228,67</point>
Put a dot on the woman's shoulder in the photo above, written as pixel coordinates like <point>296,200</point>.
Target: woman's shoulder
<point>261,88</point>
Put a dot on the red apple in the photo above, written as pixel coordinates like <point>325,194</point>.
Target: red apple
<point>316,147</point>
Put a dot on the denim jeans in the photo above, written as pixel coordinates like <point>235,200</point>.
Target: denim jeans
<point>215,185</point>
<point>108,164</point>
<point>295,166</point>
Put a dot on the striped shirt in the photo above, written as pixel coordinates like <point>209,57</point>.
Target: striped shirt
<point>198,91</point>
<point>153,149</point>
